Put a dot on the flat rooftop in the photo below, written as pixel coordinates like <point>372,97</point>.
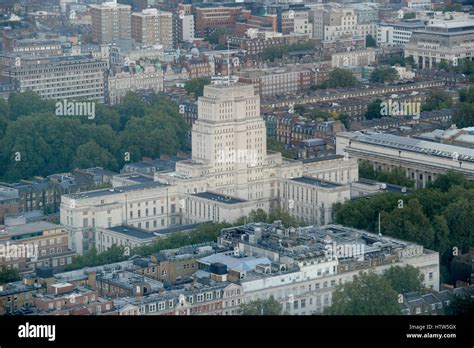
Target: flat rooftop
<point>133,232</point>
<point>31,227</point>
<point>117,190</point>
<point>323,158</point>
<point>219,198</point>
<point>316,182</point>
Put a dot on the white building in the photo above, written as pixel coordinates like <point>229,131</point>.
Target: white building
<point>353,58</point>
<point>333,21</point>
<point>230,174</point>
<point>150,79</point>
<point>306,264</point>
<point>397,33</point>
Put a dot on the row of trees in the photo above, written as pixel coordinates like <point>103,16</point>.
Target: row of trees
<point>196,86</point>
<point>436,100</point>
<point>396,176</point>
<point>277,52</point>
<point>339,78</point>
<point>35,141</point>
<point>373,294</point>
<point>438,217</point>
<point>383,74</point>
<point>8,275</point>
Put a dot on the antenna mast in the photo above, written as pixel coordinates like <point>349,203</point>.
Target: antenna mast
<point>228,61</point>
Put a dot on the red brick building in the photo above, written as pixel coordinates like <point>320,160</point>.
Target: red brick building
<point>215,17</point>
<point>63,299</point>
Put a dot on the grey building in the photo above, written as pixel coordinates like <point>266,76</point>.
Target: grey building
<point>71,77</point>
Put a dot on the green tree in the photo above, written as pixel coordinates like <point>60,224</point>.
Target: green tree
<point>3,117</point>
<point>409,15</point>
<point>105,115</point>
<point>460,221</point>
<point>315,114</point>
<point>384,74</point>
<point>340,78</point>
<point>92,155</point>
<point>261,216</point>
<point>394,60</point>
<point>27,103</point>
<point>461,305</point>
<point>131,106</point>
<point>373,109</point>
<point>345,120</point>
<point>409,223</point>
<point>410,61</point>
<point>450,179</point>
<point>367,171</point>
<point>207,232</point>
<point>8,275</point>
<point>300,109</point>
<point>367,294</point>
<point>214,37</point>
<point>262,307</point>
<point>464,115</point>
<point>452,7</point>
<point>278,51</point>
<point>258,216</point>
<point>396,176</point>
<point>274,145</point>
<point>437,217</point>
<point>196,86</point>
<point>436,100</point>
<point>444,65</point>
<point>370,41</point>
<point>404,279</point>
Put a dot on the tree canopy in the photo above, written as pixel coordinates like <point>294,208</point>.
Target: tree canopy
<point>437,99</point>
<point>370,41</point>
<point>8,275</point>
<point>373,109</point>
<point>340,78</point>
<point>404,279</point>
<point>461,305</point>
<point>196,86</point>
<point>278,51</point>
<point>384,74</point>
<point>262,307</point>
<point>396,176</point>
<point>464,115</point>
<point>366,294</point>
<point>34,141</point>
<point>260,215</point>
<point>207,232</point>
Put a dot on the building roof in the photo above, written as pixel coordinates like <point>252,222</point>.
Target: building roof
<point>133,232</point>
<point>241,264</point>
<point>219,198</point>
<point>316,182</point>
<point>31,227</point>
<point>415,145</point>
<point>322,158</point>
<point>118,190</point>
